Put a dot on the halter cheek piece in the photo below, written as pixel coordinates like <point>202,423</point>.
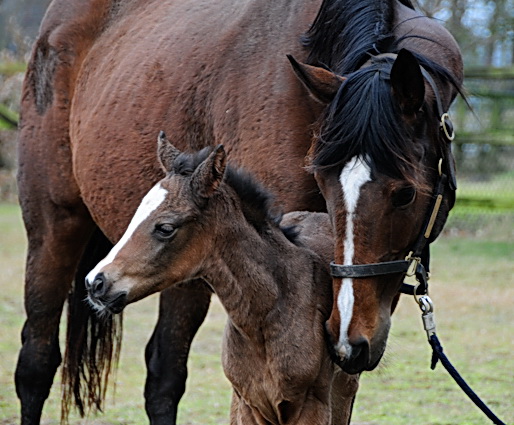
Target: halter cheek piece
<point>418,261</point>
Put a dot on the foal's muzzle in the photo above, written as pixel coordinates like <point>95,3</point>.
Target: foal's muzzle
<point>97,287</point>
<point>98,292</point>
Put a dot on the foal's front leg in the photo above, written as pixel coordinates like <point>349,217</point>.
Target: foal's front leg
<point>342,397</point>
<point>181,312</point>
<point>242,414</point>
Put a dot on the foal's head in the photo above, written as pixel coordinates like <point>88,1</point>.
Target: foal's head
<point>172,232</point>
<point>377,159</point>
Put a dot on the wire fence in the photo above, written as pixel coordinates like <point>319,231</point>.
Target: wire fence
<point>484,151</point>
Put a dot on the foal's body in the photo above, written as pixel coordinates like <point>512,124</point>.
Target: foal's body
<point>274,350</point>
<point>277,293</point>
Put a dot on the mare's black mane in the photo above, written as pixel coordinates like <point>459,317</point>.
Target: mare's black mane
<point>346,32</point>
<point>257,202</point>
<point>364,119</point>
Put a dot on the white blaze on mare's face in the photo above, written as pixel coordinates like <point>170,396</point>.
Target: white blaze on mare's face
<point>352,178</point>
<point>150,203</point>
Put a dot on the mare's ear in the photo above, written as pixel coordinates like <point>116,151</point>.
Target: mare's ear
<point>208,175</point>
<point>166,152</point>
<point>407,82</point>
<point>321,83</point>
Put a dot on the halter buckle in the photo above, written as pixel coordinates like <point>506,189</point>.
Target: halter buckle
<point>414,261</point>
<point>446,125</point>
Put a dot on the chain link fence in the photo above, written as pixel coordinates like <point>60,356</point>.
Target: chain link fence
<point>484,152</point>
<point>483,148</point>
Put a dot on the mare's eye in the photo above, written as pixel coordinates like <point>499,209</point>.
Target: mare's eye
<point>165,230</point>
<point>404,196</point>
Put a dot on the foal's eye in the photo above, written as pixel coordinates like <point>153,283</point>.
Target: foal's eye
<point>165,230</point>
<point>404,196</point>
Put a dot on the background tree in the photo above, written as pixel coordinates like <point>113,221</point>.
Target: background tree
<point>484,29</point>
<point>19,23</point>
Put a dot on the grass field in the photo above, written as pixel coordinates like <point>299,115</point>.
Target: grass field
<point>494,195</point>
<point>473,292</point>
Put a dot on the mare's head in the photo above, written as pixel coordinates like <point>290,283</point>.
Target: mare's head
<point>378,156</point>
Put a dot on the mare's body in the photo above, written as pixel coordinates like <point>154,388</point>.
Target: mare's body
<point>105,76</point>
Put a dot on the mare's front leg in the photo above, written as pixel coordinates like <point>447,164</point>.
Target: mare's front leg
<point>56,239</point>
<point>181,312</point>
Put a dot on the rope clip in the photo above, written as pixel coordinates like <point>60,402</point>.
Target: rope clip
<point>427,309</point>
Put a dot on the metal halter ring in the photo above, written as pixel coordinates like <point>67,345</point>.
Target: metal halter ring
<point>444,126</point>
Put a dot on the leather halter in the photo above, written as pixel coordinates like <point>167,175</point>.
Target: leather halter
<point>418,261</point>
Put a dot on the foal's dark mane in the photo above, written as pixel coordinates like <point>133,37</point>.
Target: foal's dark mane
<point>364,119</point>
<point>257,202</point>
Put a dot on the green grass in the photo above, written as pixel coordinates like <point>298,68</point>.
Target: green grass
<point>493,195</point>
<point>472,289</point>
<point>8,118</point>
<point>9,68</point>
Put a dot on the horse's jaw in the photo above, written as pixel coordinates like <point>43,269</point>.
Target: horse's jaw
<point>104,306</point>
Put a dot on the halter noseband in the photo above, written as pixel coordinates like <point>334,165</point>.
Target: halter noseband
<point>418,261</point>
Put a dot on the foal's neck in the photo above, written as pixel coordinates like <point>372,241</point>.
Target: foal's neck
<point>254,273</point>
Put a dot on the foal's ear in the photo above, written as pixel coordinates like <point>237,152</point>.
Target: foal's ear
<point>407,82</point>
<point>321,83</point>
<point>209,174</point>
<point>166,152</point>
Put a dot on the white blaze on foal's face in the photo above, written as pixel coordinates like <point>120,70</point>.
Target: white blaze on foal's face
<point>353,176</point>
<point>150,203</point>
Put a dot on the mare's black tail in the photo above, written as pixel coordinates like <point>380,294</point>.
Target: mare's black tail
<point>93,343</point>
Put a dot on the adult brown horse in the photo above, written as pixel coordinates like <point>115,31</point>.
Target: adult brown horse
<point>105,75</point>
<point>208,220</point>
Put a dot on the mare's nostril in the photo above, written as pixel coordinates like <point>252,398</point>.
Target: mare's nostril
<point>356,351</point>
<point>360,353</point>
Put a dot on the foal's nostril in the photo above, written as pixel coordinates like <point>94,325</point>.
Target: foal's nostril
<point>97,287</point>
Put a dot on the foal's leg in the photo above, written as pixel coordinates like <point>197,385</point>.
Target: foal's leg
<point>344,390</point>
<point>56,239</point>
<point>181,312</point>
<point>242,414</point>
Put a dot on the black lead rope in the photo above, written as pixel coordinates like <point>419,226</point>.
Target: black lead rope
<point>437,354</point>
<point>426,306</point>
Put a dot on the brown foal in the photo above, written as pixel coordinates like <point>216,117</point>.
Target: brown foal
<point>209,221</point>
